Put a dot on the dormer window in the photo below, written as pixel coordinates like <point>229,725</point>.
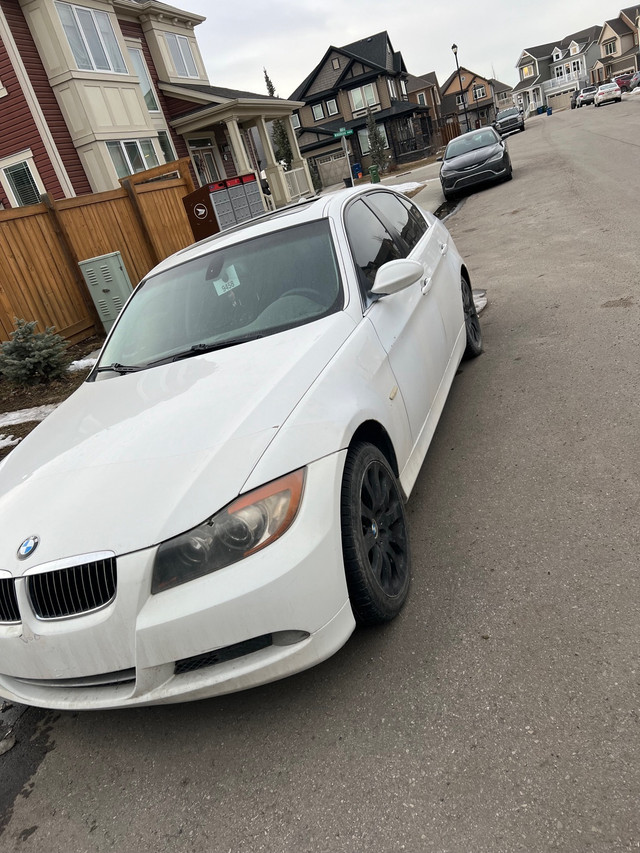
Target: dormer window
<point>557,56</point>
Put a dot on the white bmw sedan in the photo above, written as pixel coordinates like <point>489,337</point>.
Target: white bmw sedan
<point>222,500</point>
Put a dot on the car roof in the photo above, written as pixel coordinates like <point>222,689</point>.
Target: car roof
<point>306,210</point>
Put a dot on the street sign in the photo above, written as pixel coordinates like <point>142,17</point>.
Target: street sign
<point>342,132</point>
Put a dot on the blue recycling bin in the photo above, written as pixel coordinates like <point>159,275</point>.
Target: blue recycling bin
<point>549,111</point>
<point>356,170</point>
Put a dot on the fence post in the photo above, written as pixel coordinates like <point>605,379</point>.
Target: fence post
<point>72,260</point>
<point>129,186</point>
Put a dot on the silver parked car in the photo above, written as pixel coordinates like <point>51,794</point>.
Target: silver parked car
<point>586,96</point>
<point>478,157</point>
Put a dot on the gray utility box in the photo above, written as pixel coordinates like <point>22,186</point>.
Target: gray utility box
<point>108,285</point>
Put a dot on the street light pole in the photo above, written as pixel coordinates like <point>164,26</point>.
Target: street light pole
<point>454,48</point>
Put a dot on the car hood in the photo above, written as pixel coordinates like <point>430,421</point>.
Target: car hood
<point>508,119</point>
<point>471,158</point>
<point>129,461</point>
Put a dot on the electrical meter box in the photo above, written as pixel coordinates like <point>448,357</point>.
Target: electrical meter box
<point>108,284</point>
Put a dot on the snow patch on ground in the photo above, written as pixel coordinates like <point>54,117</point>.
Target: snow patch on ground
<point>82,364</point>
<point>8,441</point>
<point>38,413</point>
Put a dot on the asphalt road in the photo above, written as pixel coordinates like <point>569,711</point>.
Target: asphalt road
<point>500,711</point>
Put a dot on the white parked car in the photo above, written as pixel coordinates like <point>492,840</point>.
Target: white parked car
<point>606,93</point>
<point>221,501</point>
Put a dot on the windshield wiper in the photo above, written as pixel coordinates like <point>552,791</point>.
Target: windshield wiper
<point>200,349</point>
<point>119,368</point>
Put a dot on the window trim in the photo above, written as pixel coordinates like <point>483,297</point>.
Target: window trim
<point>335,104</point>
<point>122,142</point>
<point>335,63</point>
<point>313,112</point>
<point>24,156</point>
<point>80,31</point>
<point>295,118</point>
<point>145,69</point>
<point>361,90</point>
<point>423,102</point>
<point>476,92</point>
<point>180,41</point>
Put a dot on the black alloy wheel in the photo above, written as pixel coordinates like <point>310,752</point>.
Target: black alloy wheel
<point>375,540</point>
<point>471,321</point>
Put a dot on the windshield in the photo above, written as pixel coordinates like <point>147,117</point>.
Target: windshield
<point>244,291</point>
<point>470,142</point>
<point>512,111</point>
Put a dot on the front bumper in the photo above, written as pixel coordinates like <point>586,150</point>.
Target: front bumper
<point>273,614</point>
<point>484,174</point>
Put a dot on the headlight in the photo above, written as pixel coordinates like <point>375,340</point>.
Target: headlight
<point>245,526</point>
<point>495,157</point>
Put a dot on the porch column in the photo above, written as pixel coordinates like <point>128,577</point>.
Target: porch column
<point>273,171</point>
<point>237,145</point>
<point>297,160</point>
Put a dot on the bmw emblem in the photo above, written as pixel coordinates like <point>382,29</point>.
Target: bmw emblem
<point>28,547</point>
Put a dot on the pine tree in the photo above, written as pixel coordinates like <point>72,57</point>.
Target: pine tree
<point>376,143</point>
<point>30,357</point>
<point>281,144</point>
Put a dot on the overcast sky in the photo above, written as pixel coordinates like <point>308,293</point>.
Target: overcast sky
<point>289,37</point>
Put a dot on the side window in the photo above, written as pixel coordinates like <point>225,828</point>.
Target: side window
<point>401,215</point>
<point>371,244</point>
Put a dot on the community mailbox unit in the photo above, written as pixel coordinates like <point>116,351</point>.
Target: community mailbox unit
<point>220,205</point>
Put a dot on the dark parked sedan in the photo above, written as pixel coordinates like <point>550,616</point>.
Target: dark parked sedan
<point>479,157</point>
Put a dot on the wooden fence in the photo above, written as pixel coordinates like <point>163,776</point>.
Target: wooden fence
<point>40,246</point>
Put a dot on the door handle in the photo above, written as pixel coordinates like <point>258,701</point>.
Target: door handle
<point>444,248</point>
<point>426,284</point>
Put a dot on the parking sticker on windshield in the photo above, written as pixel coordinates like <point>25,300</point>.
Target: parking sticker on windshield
<point>231,280</point>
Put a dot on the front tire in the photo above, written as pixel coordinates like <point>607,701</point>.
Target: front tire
<point>471,321</point>
<point>375,540</point>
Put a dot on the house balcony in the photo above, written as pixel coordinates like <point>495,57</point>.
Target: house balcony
<point>574,79</point>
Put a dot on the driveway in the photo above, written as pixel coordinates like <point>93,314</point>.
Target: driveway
<point>500,711</point>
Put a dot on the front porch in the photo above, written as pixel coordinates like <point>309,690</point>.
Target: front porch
<point>228,136</point>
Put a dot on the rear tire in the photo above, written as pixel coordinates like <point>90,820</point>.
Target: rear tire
<point>375,541</point>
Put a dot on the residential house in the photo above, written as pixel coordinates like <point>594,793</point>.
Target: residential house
<point>92,93</point>
<point>348,83</point>
<point>502,94</point>
<point>618,43</point>
<point>468,99</point>
<point>424,90</point>
<point>549,73</point>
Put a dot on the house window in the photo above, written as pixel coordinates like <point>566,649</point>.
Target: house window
<point>421,99</point>
<point>318,112</point>
<point>182,56</point>
<point>363,97</point>
<point>527,71</point>
<point>609,48</point>
<point>140,67</point>
<point>460,100</point>
<point>479,92</point>
<point>295,121</point>
<point>332,107</point>
<point>91,39</point>
<point>335,63</point>
<point>132,155</point>
<point>403,88</point>
<point>393,93</point>
<point>363,138</point>
<point>166,146</point>
<point>20,179</point>
<point>576,66</point>
<point>560,72</point>
<point>574,49</point>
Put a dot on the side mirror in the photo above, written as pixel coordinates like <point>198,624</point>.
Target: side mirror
<point>439,159</point>
<point>396,275</point>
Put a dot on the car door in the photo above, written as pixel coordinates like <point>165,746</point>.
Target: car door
<point>408,323</point>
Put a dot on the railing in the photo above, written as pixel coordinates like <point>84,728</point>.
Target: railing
<point>558,82</point>
<point>297,183</point>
